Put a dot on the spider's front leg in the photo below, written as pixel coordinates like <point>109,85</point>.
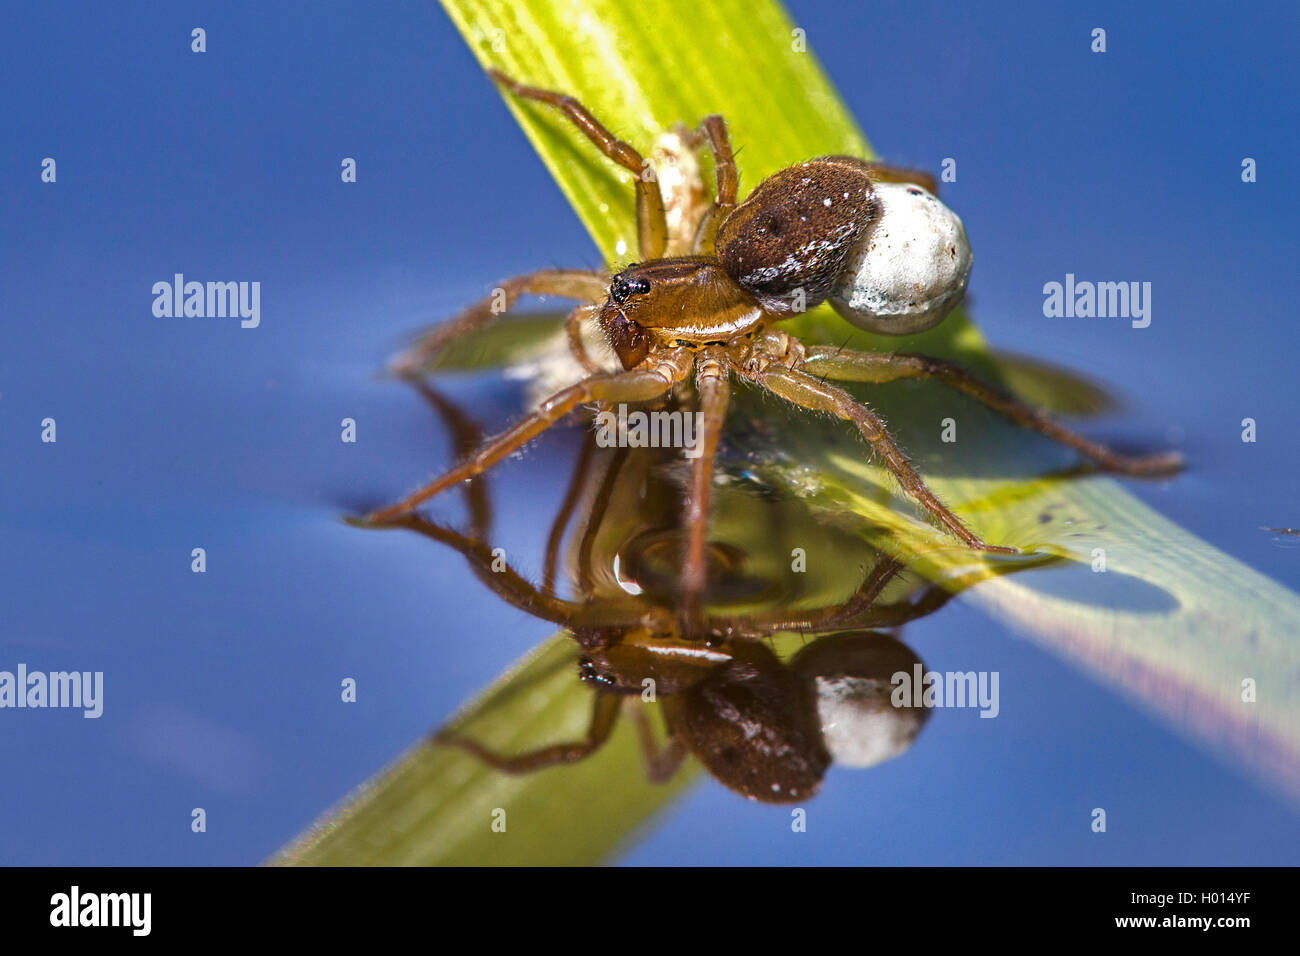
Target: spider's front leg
<point>648,381</point>
<point>584,285</point>
<point>652,225</point>
<point>853,366</point>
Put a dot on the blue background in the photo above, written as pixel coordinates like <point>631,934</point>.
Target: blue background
<point>174,434</point>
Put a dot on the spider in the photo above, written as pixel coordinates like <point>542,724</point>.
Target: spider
<point>871,239</point>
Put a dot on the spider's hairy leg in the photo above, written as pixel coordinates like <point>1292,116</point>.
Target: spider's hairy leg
<point>585,285</point>
<point>886,367</point>
<point>604,715</point>
<point>884,172</point>
<point>714,388</point>
<point>508,584</point>
<point>806,391</point>
<point>652,226</point>
<point>573,330</point>
<point>714,129</point>
<point>653,378</point>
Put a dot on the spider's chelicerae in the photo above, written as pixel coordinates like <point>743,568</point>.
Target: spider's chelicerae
<point>871,239</point>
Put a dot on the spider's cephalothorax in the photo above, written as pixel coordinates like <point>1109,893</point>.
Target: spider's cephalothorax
<point>872,240</point>
<point>655,305</point>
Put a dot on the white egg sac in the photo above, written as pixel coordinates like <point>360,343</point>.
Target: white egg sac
<point>910,268</point>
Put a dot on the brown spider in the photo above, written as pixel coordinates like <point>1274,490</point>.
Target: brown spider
<point>818,231</point>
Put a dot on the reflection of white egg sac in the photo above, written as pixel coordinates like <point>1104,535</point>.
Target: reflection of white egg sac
<point>860,726</point>
<point>911,267</point>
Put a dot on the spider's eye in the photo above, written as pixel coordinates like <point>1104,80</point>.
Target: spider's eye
<point>620,288</point>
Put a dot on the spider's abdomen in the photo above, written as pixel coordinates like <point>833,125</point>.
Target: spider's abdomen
<point>788,242</point>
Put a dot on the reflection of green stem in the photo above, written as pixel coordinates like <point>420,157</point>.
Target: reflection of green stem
<point>434,805</point>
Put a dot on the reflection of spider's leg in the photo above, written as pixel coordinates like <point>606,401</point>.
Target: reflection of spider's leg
<point>873,616</point>
<point>511,586</point>
<point>466,436</point>
<point>604,714</point>
<point>556,537</point>
<point>594,516</point>
<point>582,284</point>
<point>877,579</point>
<point>888,367</point>
<point>931,599</point>
<point>902,612</point>
<point>873,585</point>
<point>715,394</point>
<point>714,128</point>
<point>885,173</point>
<point>812,393</point>
<point>651,225</point>
<point>660,762</point>
<point>651,380</point>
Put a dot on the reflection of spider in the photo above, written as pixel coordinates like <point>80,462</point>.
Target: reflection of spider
<point>865,237</point>
<point>765,727</point>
